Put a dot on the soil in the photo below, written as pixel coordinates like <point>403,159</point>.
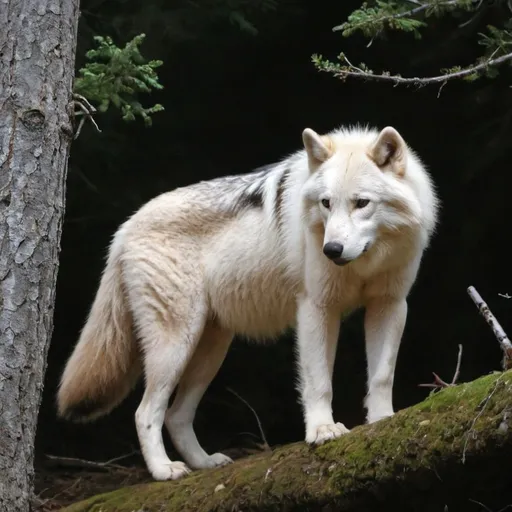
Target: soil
<point>57,487</point>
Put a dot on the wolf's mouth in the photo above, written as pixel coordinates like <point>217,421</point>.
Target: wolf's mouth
<point>341,261</point>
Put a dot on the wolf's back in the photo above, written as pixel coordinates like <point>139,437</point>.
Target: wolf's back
<point>104,365</point>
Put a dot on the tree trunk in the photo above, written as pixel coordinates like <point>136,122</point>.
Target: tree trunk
<point>448,453</point>
<point>37,55</point>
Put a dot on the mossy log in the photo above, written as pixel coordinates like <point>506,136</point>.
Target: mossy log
<point>446,453</point>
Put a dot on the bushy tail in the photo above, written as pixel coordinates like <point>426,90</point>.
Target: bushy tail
<point>105,363</point>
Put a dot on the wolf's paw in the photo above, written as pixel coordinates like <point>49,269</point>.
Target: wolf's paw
<point>169,471</point>
<point>219,459</point>
<point>377,417</point>
<point>324,433</point>
<point>214,461</point>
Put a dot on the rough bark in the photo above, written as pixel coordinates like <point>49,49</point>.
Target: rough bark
<point>445,454</point>
<point>37,54</point>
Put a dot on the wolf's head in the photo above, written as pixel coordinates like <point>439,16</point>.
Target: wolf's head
<point>363,184</point>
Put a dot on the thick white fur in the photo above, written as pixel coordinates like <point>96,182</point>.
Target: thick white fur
<point>195,266</point>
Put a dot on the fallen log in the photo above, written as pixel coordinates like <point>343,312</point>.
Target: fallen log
<point>450,452</point>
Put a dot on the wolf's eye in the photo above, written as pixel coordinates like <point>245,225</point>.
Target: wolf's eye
<point>326,203</point>
<point>361,203</point>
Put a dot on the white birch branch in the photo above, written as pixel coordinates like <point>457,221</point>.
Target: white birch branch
<point>498,331</point>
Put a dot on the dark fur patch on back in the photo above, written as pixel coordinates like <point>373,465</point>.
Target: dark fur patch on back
<point>279,196</point>
<point>252,198</point>
<point>253,195</point>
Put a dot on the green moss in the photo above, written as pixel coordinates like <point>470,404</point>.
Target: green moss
<point>420,436</point>
<point>468,394</point>
<point>416,441</point>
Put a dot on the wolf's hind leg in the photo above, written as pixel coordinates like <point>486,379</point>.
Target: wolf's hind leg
<point>202,368</point>
<point>167,344</point>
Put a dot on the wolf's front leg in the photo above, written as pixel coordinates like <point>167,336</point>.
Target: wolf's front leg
<point>384,326</point>
<point>317,329</point>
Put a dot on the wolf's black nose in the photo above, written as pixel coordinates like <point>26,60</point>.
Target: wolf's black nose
<point>333,250</point>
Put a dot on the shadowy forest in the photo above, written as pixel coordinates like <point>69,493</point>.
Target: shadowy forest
<point>239,88</point>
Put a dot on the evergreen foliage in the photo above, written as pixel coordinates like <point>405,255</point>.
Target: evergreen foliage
<point>116,76</point>
<point>377,18</point>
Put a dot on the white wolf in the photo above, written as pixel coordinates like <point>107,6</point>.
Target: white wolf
<point>339,225</point>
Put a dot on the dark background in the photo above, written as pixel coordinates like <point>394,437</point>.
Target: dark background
<point>236,100</point>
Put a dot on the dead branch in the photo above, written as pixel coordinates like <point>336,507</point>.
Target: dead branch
<point>85,109</point>
<point>498,331</point>
<point>38,502</point>
<point>266,446</point>
<point>88,464</point>
<point>482,406</point>
<point>440,383</point>
<point>437,384</point>
<point>457,368</point>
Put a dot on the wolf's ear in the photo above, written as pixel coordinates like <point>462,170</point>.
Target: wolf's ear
<point>318,148</point>
<point>389,151</point>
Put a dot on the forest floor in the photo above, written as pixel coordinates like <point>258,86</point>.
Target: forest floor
<point>59,482</point>
<point>57,487</point>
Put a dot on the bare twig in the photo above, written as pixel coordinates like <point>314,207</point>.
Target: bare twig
<point>483,405</point>
<point>481,504</point>
<point>457,368</point>
<point>488,509</point>
<point>88,464</point>
<point>39,502</point>
<point>120,457</point>
<point>86,180</point>
<point>440,383</point>
<point>88,108</point>
<point>85,109</point>
<point>437,384</point>
<point>355,72</point>
<point>266,446</point>
<point>477,14</point>
<point>498,331</point>
<point>441,88</point>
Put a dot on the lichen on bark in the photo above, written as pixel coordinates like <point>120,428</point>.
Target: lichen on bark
<point>426,457</point>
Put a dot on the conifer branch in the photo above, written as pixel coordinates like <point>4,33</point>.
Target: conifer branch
<point>352,26</point>
<point>116,76</point>
<point>351,71</point>
<point>379,16</point>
